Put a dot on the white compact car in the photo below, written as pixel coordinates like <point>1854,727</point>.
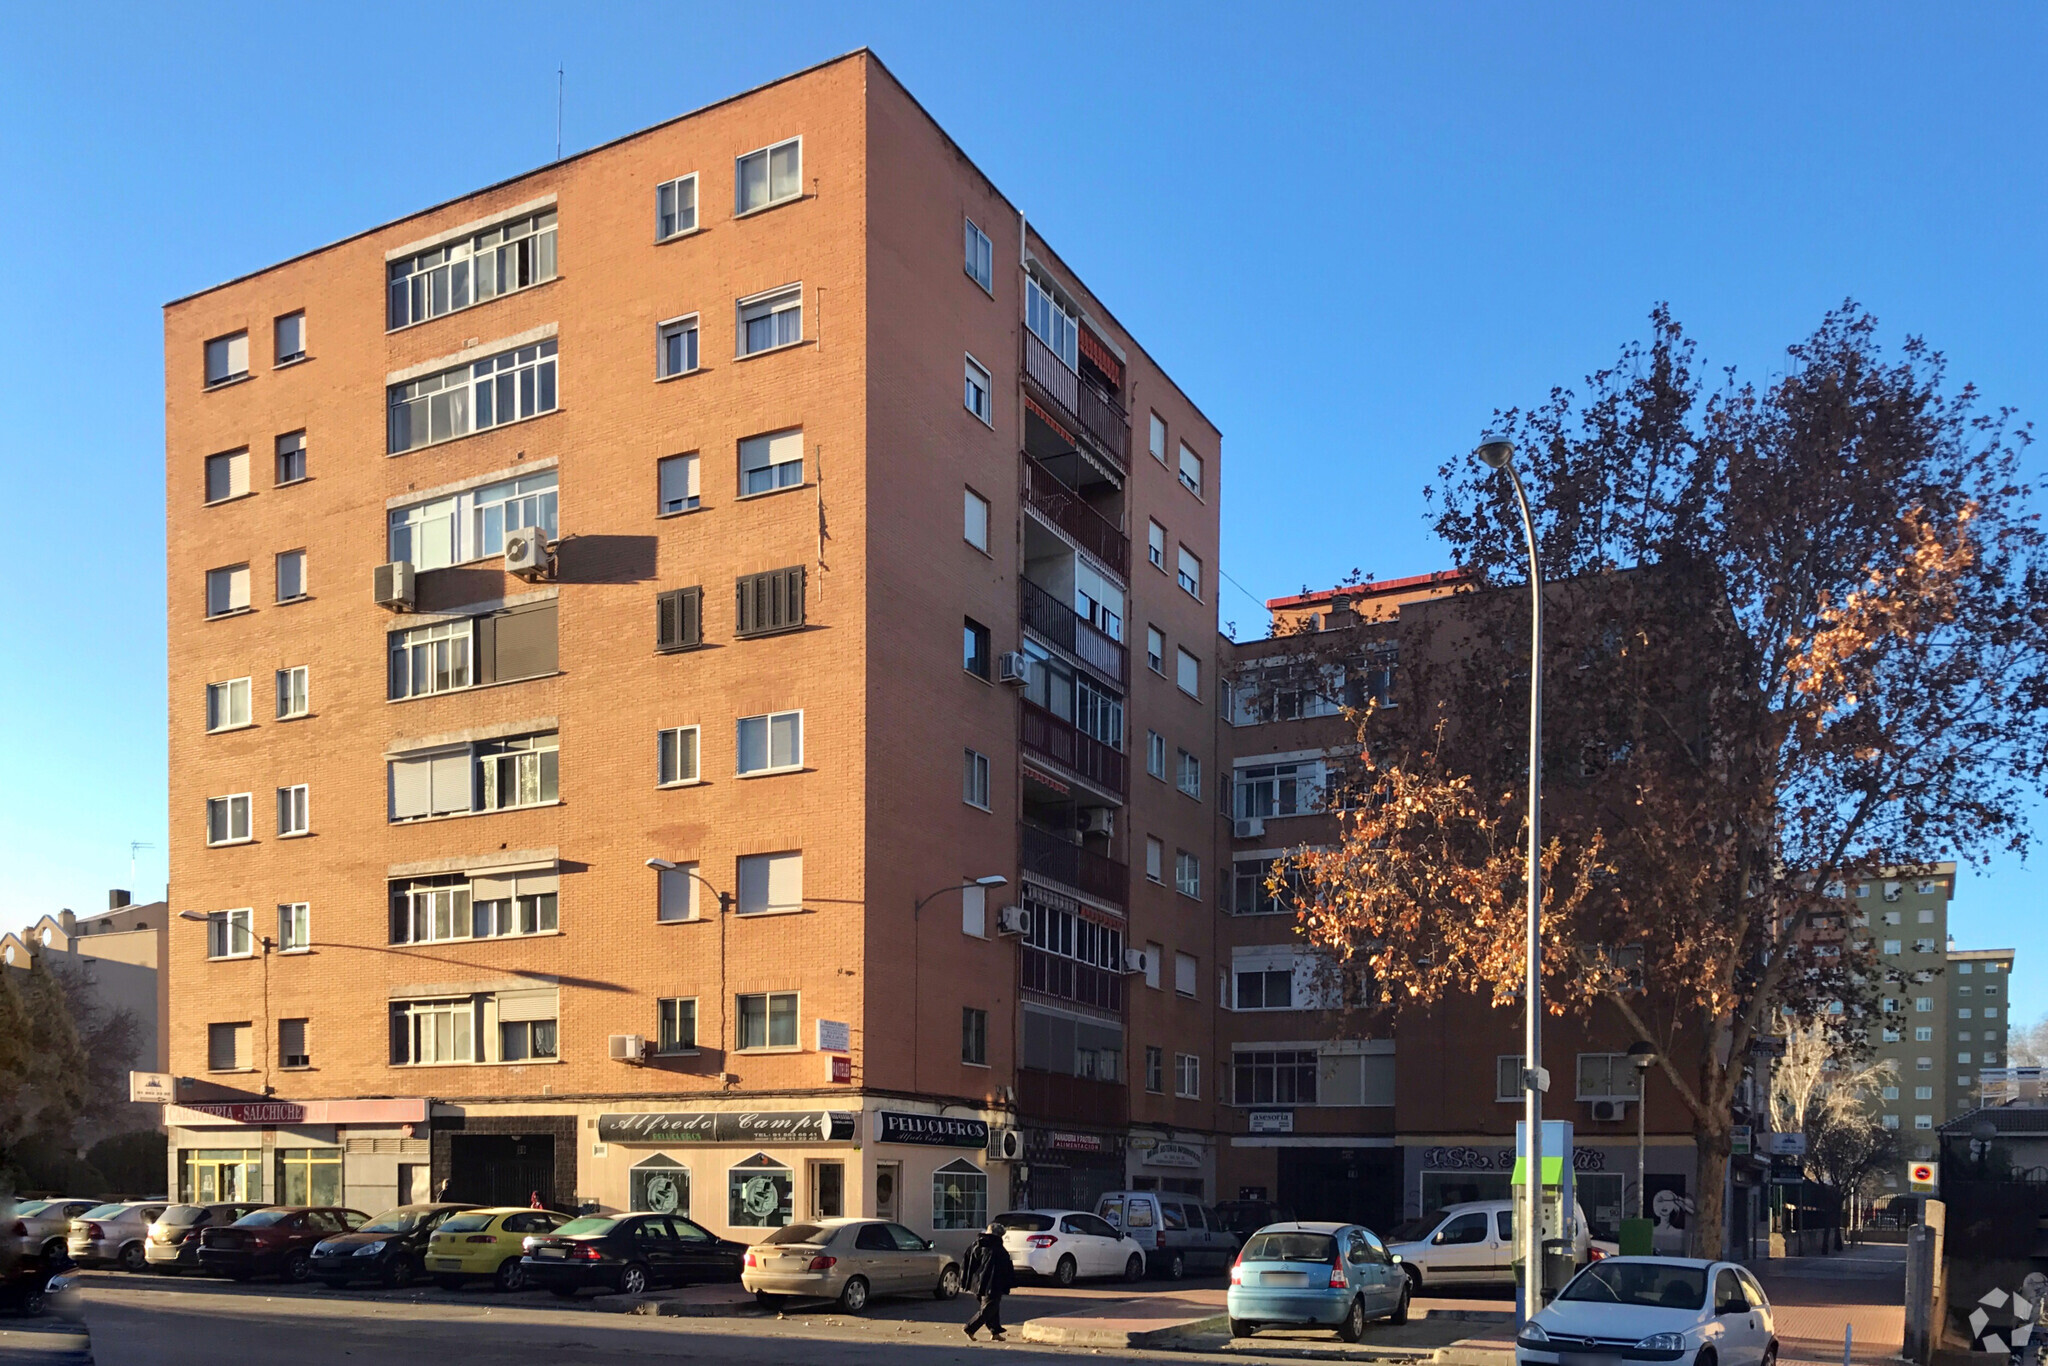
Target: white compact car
<point>1671,1310</point>
<point>1064,1245</point>
<point>1469,1244</point>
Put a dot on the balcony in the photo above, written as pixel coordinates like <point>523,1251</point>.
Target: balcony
<point>1073,749</point>
<point>1068,629</point>
<point>1086,407</point>
<point>1051,975</point>
<point>1064,508</point>
<point>1062,861</point>
<point>1077,1100</point>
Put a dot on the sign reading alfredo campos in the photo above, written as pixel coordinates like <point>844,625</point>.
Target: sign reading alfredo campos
<point>664,1128</point>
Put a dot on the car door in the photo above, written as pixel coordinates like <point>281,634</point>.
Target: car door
<point>1111,1254</point>
<point>1502,1248</point>
<point>1391,1278</point>
<point>1461,1250</point>
<point>696,1251</point>
<point>656,1246</point>
<point>1737,1320</point>
<point>875,1253</point>
<point>1760,1306</point>
<point>920,1260</point>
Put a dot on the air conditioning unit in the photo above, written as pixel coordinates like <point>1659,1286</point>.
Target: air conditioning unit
<point>629,1048</point>
<point>526,553</point>
<point>392,584</point>
<point>1013,668</point>
<point>1006,1145</point>
<point>1134,961</point>
<point>1097,820</point>
<point>1248,829</point>
<point>1013,920</point>
<point>1609,1110</point>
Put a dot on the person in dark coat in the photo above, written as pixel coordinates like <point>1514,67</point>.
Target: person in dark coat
<point>989,1277</point>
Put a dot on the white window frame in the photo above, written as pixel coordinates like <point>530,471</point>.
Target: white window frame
<point>1187,873</point>
<point>978,257</point>
<point>226,372</point>
<point>231,934</point>
<point>294,811</point>
<point>1187,975</point>
<point>1053,323</point>
<point>769,766</point>
<point>1187,774</point>
<point>1187,1076</point>
<point>278,575</point>
<point>1190,583</point>
<point>740,207</point>
<point>675,891</point>
<point>978,383</point>
<point>455,1008</point>
<point>472,517</point>
<point>528,233</point>
<point>662,1017</point>
<point>972,504</point>
<point>672,188</point>
<point>1155,859</point>
<point>220,710</point>
<point>1155,659</point>
<point>294,692</point>
<point>1185,660</point>
<point>248,826</point>
<point>668,756</point>
<point>1192,483</point>
<point>238,1050</point>
<point>768,999</point>
<point>454,639</point>
<point>669,502</point>
<point>288,445</point>
<point>280,356</point>
<point>541,359</point>
<point>503,769</point>
<point>770,304</point>
<point>775,469</point>
<point>766,863</point>
<point>294,926</point>
<point>1265,966</point>
<point>236,463</point>
<point>1615,1065</point>
<point>974,780</point>
<point>1155,755</point>
<point>1502,1071</point>
<point>232,607</point>
<point>685,325</point>
<point>1155,545</point>
<point>1155,438</point>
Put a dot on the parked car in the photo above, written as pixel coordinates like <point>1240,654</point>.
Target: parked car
<point>1315,1275</point>
<point>273,1242</point>
<point>487,1243</point>
<point>390,1249</point>
<point>1243,1218</point>
<point>173,1244</point>
<point>628,1253</point>
<point>1178,1234</point>
<point>23,1283</point>
<point>1665,1309</point>
<point>113,1235</point>
<point>1472,1243</point>
<point>848,1260</point>
<point>40,1227</point>
<point>1065,1244</point>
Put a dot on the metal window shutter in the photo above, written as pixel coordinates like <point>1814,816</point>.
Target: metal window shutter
<point>483,663</point>
<point>451,782</point>
<point>785,882</point>
<point>291,1037</point>
<point>527,1005</point>
<point>522,642</point>
<point>411,787</point>
<point>491,888</point>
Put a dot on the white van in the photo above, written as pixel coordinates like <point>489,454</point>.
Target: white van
<point>1470,1244</point>
<point>1179,1233</point>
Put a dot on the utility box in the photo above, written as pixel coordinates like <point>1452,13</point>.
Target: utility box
<point>1636,1236</point>
<point>1558,1221</point>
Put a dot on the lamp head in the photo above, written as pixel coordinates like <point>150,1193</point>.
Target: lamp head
<point>661,865</point>
<point>1495,454</point>
<point>992,880</point>
<point>1643,1054</point>
<point>199,916</point>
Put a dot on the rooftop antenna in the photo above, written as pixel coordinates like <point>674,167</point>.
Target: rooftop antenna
<point>135,846</point>
<point>558,113</point>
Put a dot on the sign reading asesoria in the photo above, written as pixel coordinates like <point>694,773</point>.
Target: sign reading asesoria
<point>728,1126</point>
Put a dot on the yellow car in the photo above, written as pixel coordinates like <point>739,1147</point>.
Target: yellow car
<point>482,1243</point>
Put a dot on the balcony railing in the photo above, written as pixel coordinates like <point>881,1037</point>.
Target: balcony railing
<point>1065,509</point>
<point>1068,629</point>
<point>1092,411</point>
<point>1052,975</point>
<point>1077,1100</point>
<point>1073,749</point>
<point>1062,861</point>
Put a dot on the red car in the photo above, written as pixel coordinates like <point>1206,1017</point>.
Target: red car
<point>273,1242</point>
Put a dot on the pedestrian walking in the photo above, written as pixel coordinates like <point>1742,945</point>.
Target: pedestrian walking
<point>989,1277</point>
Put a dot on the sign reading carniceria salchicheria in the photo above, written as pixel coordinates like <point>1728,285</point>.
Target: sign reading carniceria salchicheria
<point>930,1131</point>
<point>728,1126</point>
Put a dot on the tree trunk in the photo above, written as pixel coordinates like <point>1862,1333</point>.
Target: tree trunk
<point>1713,1140</point>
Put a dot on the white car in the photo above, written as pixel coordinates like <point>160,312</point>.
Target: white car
<point>1063,1245</point>
<point>114,1235</point>
<point>1671,1310</point>
<point>1472,1243</point>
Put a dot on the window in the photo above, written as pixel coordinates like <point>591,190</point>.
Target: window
<point>227,704</point>
<point>1891,917</point>
<point>1923,1004</point>
<point>501,259</point>
<point>768,176</point>
<point>291,457</point>
<point>677,1028</point>
<point>523,1040</point>
<point>1923,1064</point>
<point>677,893</point>
<point>1919,1093</point>
<point>227,819</point>
<point>1155,1069</point>
<point>227,1047</point>
<point>1155,957</point>
<point>491,392</point>
<point>1963,1058</point>
<point>1892,1092</point>
<point>1156,442</point>
<point>974,780</point>
<point>431,659</point>
<point>1190,470</point>
<point>291,1044</point>
<point>1963,1014</point>
<point>959,1201</point>
<point>227,358</point>
<point>675,207</point>
<point>473,524</point>
<point>1923,1121</point>
<point>980,258</point>
<point>294,692</point>
<point>1926,917</point>
<point>431,910</point>
<point>676,482</point>
<point>1251,894</point>
<point>293,817</point>
<point>676,755</point>
<point>1263,988</point>
<point>520,771</point>
<point>1891,1035</point>
<point>1155,859</point>
<point>974,1036</point>
<point>771,320</point>
<point>227,475</point>
<point>771,883</point>
<point>1155,652</point>
<point>1188,672</point>
<point>294,927</point>
<point>1606,1076</point>
<point>1889,1121</point>
<point>1891,946</point>
<point>1278,1077</point>
<point>427,1032</point>
<point>1923,1034</point>
<point>1188,775</point>
<point>1155,754</point>
<point>770,462</point>
<point>1187,1076</point>
<point>974,648</point>
<point>679,619</point>
<point>1155,545</point>
<point>1185,973</point>
<point>1190,576</point>
<point>676,347</point>
<point>289,333</point>
<point>977,392</point>
<point>771,743</point>
<point>227,590</point>
<point>1278,790</point>
<point>1050,321</point>
<point>767,1020</point>
<point>228,934</point>
<point>974,523</point>
<point>291,575</point>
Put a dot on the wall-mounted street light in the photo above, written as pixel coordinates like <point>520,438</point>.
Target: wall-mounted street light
<point>917,957</point>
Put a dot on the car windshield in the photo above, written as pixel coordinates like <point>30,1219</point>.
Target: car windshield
<point>264,1218</point>
<point>1415,1230</point>
<point>593,1224</point>
<point>103,1211</point>
<point>178,1215</point>
<point>467,1223</point>
<point>1019,1222</point>
<point>1291,1247</point>
<point>395,1221</point>
<point>1648,1285</point>
<point>798,1233</point>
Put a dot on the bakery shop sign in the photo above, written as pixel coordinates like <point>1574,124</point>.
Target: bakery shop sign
<point>661,1128</point>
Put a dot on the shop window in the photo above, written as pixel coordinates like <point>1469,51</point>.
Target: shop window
<point>758,1193</point>
<point>309,1176</point>
<point>959,1196</point>
<point>662,1184</point>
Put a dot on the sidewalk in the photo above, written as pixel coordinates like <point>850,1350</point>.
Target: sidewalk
<point>1451,1332</point>
<point>1815,1299</point>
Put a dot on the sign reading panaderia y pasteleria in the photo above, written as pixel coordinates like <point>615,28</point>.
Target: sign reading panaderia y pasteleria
<point>728,1126</point>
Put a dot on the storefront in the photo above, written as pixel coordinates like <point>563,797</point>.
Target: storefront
<point>1603,1174</point>
<point>366,1154</point>
<point>1070,1168</point>
<point>945,1156</point>
<point>1181,1163</point>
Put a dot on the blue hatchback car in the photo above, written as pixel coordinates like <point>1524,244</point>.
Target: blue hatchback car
<point>1298,1275</point>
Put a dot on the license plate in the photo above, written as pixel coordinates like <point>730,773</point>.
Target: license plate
<point>554,1252</point>
<point>447,1264</point>
<point>1283,1278</point>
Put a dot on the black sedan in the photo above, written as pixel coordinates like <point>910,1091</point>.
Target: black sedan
<point>391,1249</point>
<point>629,1253</point>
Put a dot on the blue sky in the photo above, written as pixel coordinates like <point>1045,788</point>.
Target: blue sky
<point>1349,233</point>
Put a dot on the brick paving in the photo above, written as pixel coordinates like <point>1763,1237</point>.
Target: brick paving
<point>1816,1298</point>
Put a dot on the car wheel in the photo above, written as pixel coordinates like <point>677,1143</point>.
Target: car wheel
<point>768,1299</point>
<point>298,1267</point>
<point>448,1282</point>
<point>1177,1267</point>
<point>1353,1327</point>
<point>1065,1272</point>
<point>1771,1355</point>
<point>1705,1358</point>
<point>32,1302</point>
<point>948,1287</point>
<point>1242,1328</point>
<point>1134,1269</point>
<point>56,1256</point>
<point>511,1275</point>
<point>633,1280</point>
<point>1414,1274</point>
<point>398,1275</point>
<point>853,1296</point>
<point>133,1258</point>
<point>1400,1314</point>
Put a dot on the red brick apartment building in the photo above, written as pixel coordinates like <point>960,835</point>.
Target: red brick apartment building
<point>612,614</point>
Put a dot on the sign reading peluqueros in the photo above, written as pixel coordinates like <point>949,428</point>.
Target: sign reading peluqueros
<point>930,1131</point>
<point>727,1126</point>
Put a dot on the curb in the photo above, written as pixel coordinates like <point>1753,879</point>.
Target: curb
<point>1469,1315</point>
<point>1053,1333</point>
<point>673,1309</point>
<point>47,1342</point>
